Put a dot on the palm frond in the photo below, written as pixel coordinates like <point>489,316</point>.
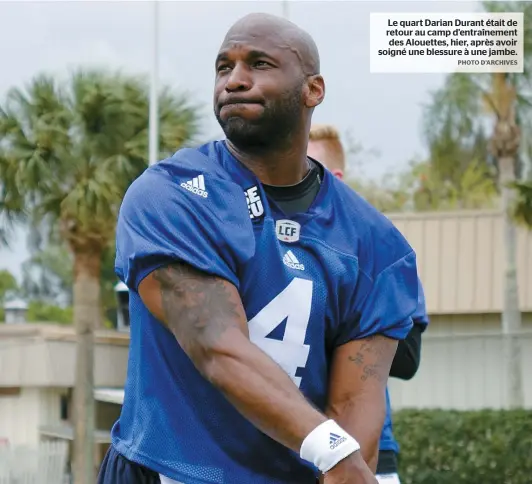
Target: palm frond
<point>522,210</point>
<point>70,150</point>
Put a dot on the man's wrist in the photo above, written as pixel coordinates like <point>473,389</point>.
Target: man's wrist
<point>352,466</point>
<point>327,445</point>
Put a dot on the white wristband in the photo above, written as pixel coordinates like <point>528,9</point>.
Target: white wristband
<point>327,445</point>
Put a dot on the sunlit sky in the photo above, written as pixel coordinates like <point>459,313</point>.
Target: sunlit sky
<point>381,111</point>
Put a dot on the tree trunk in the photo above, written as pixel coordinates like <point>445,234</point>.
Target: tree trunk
<point>87,266</point>
<point>505,144</point>
<point>511,317</point>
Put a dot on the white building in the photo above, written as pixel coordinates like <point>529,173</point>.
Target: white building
<point>461,263</point>
<point>37,372</point>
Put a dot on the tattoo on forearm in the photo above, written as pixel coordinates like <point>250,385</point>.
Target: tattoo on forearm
<point>371,357</point>
<point>198,307</point>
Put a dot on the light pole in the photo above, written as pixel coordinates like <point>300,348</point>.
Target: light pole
<point>154,81</point>
<point>286,10</point>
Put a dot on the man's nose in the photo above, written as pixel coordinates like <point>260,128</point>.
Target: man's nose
<point>239,79</point>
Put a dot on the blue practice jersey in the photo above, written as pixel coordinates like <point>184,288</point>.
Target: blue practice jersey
<point>387,441</point>
<point>309,283</point>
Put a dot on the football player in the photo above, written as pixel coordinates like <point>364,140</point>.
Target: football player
<point>266,297</point>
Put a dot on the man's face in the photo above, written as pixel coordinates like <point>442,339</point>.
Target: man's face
<point>258,94</point>
<point>319,150</point>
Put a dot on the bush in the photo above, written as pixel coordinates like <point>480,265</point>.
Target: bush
<point>41,312</point>
<point>452,447</point>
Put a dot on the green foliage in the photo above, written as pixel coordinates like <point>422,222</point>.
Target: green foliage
<point>47,275</point>
<point>523,205</point>
<point>454,177</point>
<point>420,188</point>
<point>11,211</point>
<point>7,283</point>
<point>522,79</point>
<point>452,447</point>
<point>41,312</point>
<point>71,149</point>
<point>108,281</point>
<point>386,195</point>
<point>458,114</point>
<point>474,189</point>
<point>458,160</point>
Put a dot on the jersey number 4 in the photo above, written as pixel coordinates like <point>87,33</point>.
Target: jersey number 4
<point>292,308</point>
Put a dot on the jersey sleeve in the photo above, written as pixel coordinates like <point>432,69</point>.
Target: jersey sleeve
<point>420,316</point>
<point>384,304</point>
<point>161,222</point>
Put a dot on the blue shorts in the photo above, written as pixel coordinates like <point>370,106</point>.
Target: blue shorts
<point>116,469</point>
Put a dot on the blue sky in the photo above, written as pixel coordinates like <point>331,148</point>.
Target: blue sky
<point>381,111</point>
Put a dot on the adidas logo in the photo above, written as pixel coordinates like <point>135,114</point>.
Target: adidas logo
<point>335,440</point>
<point>196,186</point>
<point>291,261</point>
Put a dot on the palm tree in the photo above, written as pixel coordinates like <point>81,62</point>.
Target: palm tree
<point>463,105</point>
<point>69,152</point>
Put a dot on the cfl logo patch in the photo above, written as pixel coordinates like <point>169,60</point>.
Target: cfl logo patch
<point>255,206</point>
<point>287,230</point>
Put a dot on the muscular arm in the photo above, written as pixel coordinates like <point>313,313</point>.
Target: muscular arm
<point>357,389</point>
<point>206,316</point>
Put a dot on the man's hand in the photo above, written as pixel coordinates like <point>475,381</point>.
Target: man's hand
<point>351,470</point>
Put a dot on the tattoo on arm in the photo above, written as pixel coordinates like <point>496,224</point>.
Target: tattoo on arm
<point>371,357</point>
<point>198,307</point>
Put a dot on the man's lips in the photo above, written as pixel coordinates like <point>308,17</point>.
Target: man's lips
<point>240,107</point>
<point>239,101</point>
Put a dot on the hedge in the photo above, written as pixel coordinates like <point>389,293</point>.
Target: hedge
<point>453,447</point>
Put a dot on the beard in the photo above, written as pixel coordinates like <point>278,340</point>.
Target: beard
<point>272,129</point>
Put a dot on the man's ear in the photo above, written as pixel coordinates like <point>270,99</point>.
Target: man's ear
<point>315,91</point>
<point>338,173</point>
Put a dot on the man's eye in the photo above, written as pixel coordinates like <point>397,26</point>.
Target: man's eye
<point>222,68</point>
<point>262,64</point>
